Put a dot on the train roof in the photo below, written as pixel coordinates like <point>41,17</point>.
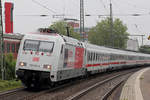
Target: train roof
<point>113,50</point>
<point>72,41</point>
<point>55,36</point>
<point>13,36</point>
<point>42,37</point>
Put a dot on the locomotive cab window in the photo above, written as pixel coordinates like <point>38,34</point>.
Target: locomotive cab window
<point>46,46</point>
<point>42,46</point>
<point>31,45</point>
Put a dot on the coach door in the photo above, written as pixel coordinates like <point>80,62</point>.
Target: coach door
<point>73,56</point>
<point>69,54</point>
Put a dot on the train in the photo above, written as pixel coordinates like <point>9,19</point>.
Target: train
<point>50,59</point>
<point>11,43</point>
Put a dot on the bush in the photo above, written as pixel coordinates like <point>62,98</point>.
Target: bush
<point>9,65</point>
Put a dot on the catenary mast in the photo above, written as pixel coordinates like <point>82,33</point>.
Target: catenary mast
<point>82,18</point>
<point>1,42</point>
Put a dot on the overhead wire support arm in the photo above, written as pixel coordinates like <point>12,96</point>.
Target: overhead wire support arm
<point>139,35</point>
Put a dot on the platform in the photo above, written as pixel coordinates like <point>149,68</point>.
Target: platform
<point>137,87</point>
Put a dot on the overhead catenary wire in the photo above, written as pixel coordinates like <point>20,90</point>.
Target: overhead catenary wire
<point>134,6</point>
<point>44,6</point>
<point>99,15</point>
<point>137,27</point>
<point>36,15</point>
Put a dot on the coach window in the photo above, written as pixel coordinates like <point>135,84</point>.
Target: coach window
<point>111,57</point>
<point>88,56</point>
<point>13,47</point>
<point>8,47</point>
<point>94,56</point>
<point>101,57</point>
<point>91,56</point>
<point>98,57</point>
<point>17,47</point>
<point>105,57</point>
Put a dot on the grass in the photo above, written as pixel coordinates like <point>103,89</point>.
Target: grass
<point>6,85</point>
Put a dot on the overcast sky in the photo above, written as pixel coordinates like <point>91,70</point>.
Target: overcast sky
<point>26,13</point>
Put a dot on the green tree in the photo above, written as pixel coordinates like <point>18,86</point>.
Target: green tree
<point>60,27</point>
<point>101,34</point>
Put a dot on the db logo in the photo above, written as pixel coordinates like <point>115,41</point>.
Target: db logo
<point>35,59</point>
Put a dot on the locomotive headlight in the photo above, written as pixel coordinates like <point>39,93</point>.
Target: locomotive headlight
<point>47,66</point>
<point>22,64</point>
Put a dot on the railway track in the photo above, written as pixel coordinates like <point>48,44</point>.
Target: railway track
<point>70,91</point>
<point>10,92</point>
<point>106,96</point>
<point>66,91</point>
<point>112,84</point>
<point>25,94</point>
